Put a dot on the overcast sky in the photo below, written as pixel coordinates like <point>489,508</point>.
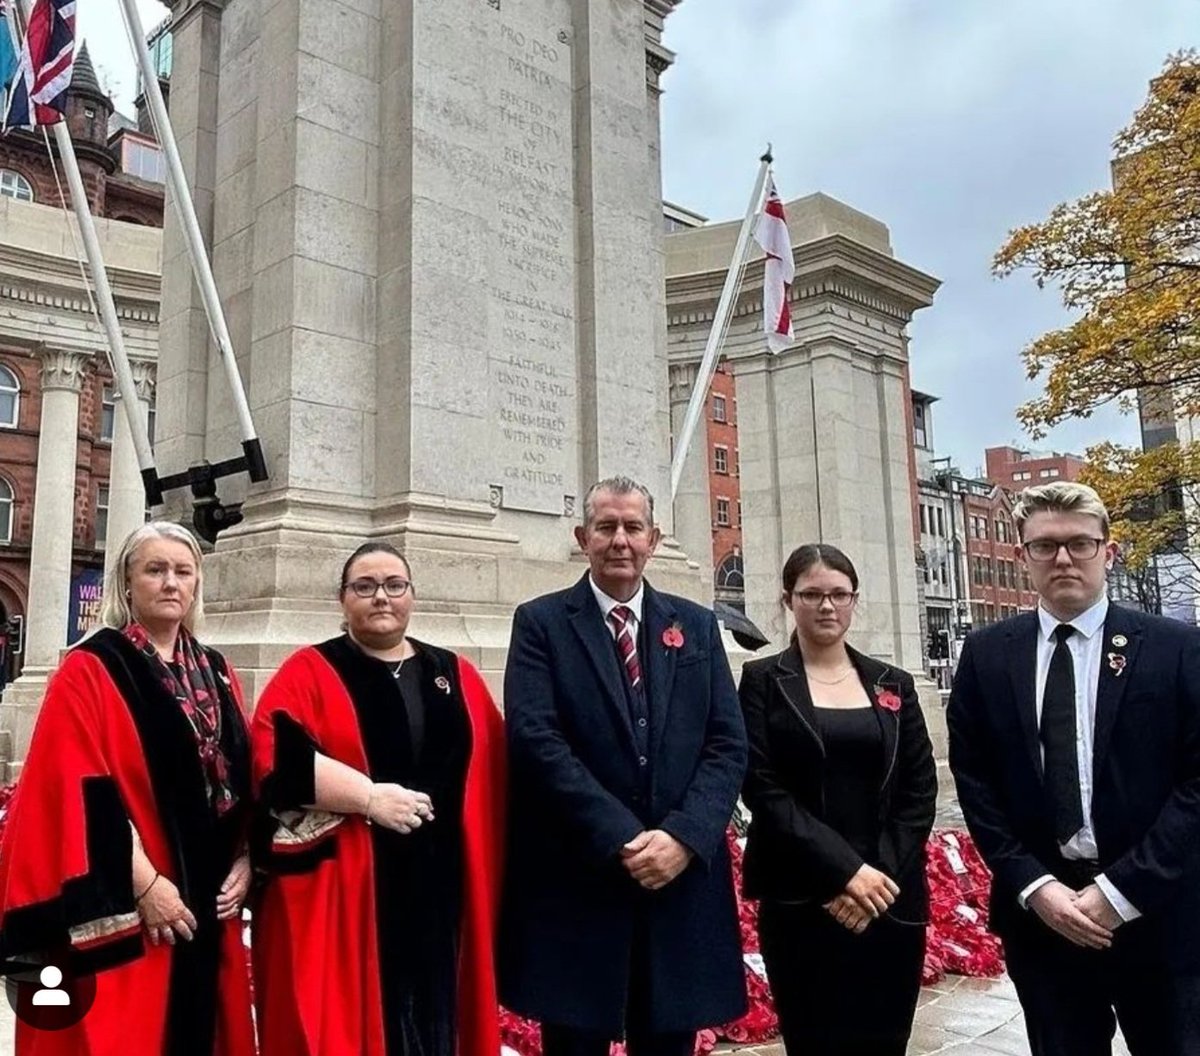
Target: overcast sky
<point>99,23</point>
<point>950,120</point>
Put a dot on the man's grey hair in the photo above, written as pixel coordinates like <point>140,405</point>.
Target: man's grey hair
<point>615,486</point>
<point>1062,496</point>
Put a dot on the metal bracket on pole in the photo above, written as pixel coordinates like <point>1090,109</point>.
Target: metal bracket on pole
<point>210,515</point>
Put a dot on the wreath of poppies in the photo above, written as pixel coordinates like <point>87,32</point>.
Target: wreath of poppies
<point>957,943</point>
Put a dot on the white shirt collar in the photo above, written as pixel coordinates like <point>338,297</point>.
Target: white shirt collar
<point>607,604</point>
<point>1087,623</point>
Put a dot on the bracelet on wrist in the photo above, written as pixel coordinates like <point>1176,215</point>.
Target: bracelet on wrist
<point>146,890</point>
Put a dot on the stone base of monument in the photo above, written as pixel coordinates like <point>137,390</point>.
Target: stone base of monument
<point>272,589</point>
<point>19,706</point>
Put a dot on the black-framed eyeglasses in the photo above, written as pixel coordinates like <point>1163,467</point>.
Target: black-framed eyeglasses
<point>814,599</point>
<point>393,587</point>
<point>1081,548</point>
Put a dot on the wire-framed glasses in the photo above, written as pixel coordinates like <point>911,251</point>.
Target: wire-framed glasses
<point>393,587</point>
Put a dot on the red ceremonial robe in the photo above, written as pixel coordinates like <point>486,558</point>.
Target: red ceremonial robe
<point>112,748</point>
<point>329,929</point>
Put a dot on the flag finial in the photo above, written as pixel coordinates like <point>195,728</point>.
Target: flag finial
<point>768,157</point>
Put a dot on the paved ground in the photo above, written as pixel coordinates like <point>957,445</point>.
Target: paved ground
<point>966,1017</point>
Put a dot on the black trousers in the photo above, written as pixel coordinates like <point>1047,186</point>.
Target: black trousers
<point>1074,998</point>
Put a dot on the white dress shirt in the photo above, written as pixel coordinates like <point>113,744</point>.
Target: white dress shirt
<point>607,604</point>
<point>1086,647</point>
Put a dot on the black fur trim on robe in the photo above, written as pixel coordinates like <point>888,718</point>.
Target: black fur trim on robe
<point>418,877</point>
<point>33,933</point>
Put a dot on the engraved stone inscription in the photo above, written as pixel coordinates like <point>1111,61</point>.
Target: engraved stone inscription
<point>531,365</point>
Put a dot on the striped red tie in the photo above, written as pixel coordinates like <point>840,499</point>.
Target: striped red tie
<point>621,617</point>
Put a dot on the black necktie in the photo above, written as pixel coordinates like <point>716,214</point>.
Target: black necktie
<point>1059,738</point>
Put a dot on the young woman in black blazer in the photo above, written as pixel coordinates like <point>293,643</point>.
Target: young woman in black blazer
<point>842,788</point>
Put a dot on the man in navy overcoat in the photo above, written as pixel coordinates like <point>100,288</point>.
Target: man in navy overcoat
<point>626,755</point>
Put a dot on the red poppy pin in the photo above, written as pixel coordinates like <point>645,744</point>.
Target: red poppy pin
<point>672,637</point>
<point>1116,662</point>
<point>887,698</point>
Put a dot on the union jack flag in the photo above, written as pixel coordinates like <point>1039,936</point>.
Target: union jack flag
<point>47,59</point>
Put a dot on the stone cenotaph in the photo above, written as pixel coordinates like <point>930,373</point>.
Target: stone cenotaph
<point>436,229</point>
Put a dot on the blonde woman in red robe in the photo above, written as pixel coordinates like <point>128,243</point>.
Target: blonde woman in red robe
<point>124,852</point>
<point>381,761</point>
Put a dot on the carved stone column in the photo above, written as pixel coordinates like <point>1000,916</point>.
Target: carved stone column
<point>126,495</point>
<point>54,508</point>
<point>693,513</point>
<point>63,375</point>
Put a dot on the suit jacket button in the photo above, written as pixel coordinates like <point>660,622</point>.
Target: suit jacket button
<point>641,722</point>
<point>642,760</point>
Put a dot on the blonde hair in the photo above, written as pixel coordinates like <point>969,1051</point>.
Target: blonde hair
<point>115,610</point>
<point>1062,496</point>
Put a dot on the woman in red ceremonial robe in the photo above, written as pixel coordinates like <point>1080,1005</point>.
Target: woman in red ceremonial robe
<point>124,853</point>
<point>381,762</point>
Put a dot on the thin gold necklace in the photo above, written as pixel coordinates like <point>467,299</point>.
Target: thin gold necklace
<point>831,682</point>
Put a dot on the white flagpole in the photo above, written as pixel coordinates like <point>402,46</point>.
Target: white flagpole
<point>104,297</point>
<point>712,348</point>
<point>186,212</point>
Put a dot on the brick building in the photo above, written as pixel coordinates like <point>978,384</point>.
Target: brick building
<point>998,583</point>
<point>54,377</point>
<point>1014,468</point>
<point>724,489</point>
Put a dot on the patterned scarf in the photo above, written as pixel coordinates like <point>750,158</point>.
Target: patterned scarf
<point>189,680</point>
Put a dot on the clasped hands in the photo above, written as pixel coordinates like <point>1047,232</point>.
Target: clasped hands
<point>1085,917</point>
<point>165,915</point>
<point>868,894</point>
<point>654,858</point>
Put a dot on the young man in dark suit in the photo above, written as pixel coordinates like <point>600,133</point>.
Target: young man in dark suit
<point>626,754</point>
<point>1075,746</point>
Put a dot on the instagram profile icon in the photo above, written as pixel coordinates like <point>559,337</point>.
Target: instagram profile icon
<point>50,996</point>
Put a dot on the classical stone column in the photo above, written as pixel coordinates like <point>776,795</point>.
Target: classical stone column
<point>126,494</point>
<point>53,508</point>
<point>693,510</point>
<point>53,537</point>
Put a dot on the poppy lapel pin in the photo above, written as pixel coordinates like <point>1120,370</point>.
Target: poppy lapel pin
<point>887,698</point>
<point>1116,663</point>
<point>672,637</point>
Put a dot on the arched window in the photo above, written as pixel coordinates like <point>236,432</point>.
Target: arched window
<point>6,511</point>
<point>14,185</point>
<point>731,573</point>
<point>10,398</point>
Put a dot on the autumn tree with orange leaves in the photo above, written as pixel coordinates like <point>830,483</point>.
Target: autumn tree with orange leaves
<point>1127,263</point>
